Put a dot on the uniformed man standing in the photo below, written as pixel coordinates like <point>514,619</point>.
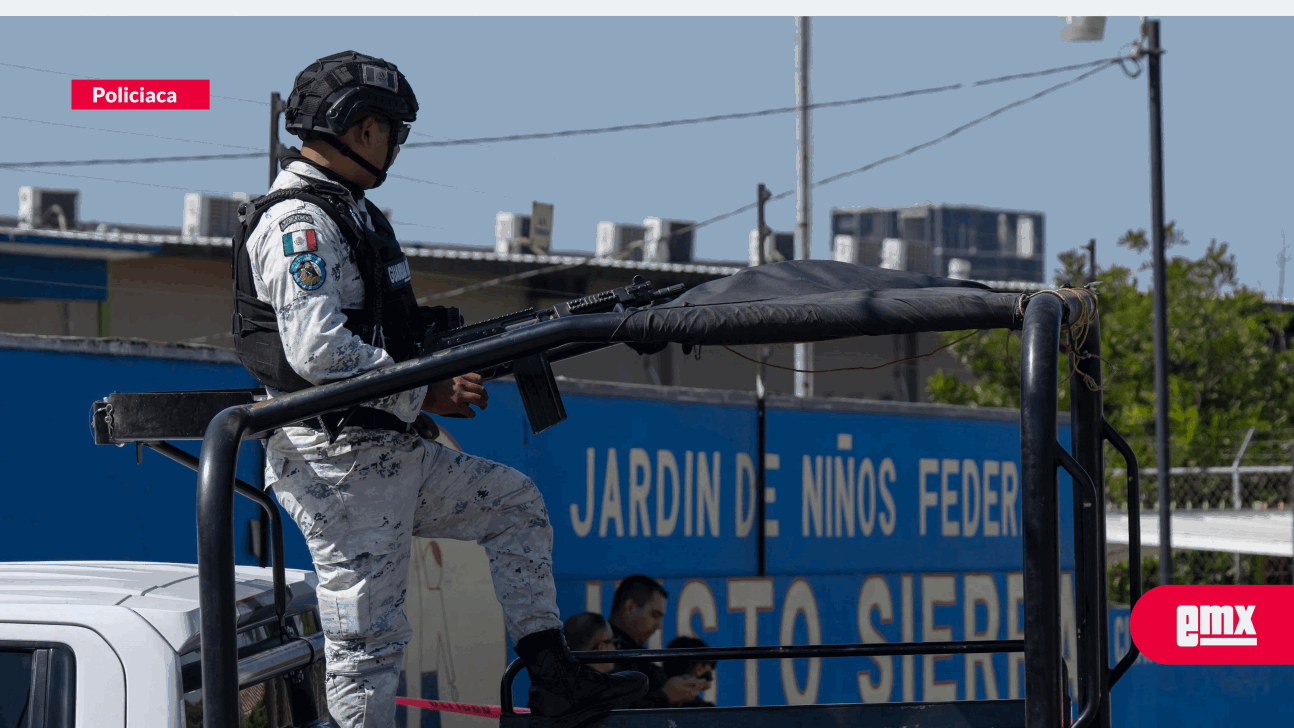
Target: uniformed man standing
<point>323,293</point>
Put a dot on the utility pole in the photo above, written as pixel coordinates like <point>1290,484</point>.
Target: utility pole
<point>761,196</point>
<point>277,106</point>
<point>803,352</point>
<point>1091,259</point>
<point>1162,452</point>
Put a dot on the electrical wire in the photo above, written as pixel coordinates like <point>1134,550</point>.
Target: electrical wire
<point>105,179</point>
<point>137,160</point>
<point>680,122</point>
<point>911,150</point>
<point>132,133</point>
<point>828,180</point>
<point>585,132</point>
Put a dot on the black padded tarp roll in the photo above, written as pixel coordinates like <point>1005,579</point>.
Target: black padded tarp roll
<point>819,300</point>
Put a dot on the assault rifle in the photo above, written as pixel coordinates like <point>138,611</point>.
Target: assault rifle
<point>534,374</point>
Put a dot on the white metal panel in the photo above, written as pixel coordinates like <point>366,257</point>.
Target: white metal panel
<point>1243,532</point>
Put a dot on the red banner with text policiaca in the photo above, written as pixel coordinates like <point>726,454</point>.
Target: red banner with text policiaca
<point>165,94</point>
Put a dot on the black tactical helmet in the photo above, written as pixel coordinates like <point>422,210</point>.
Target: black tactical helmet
<point>334,91</point>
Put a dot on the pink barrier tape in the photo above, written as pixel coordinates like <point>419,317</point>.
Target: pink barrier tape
<point>485,711</point>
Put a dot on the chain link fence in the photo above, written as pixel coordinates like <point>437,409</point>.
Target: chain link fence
<point>1257,475</point>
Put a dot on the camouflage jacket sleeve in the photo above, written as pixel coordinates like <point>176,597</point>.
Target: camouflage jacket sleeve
<point>303,268</point>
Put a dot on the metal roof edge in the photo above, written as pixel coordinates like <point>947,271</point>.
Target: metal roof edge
<point>122,347</point>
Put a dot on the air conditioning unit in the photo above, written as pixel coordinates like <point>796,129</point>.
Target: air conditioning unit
<point>209,216</point>
<point>541,228</point>
<point>959,268</point>
<point>856,250</point>
<point>845,249</point>
<point>777,247</point>
<point>623,241</point>
<point>511,233</point>
<point>51,209</point>
<point>1025,238</point>
<point>894,254</point>
<point>665,243</point>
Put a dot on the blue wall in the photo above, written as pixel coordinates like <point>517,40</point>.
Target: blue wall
<point>66,498</point>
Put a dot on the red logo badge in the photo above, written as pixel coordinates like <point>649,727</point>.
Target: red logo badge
<point>1216,625</point>
<point>135,94</point>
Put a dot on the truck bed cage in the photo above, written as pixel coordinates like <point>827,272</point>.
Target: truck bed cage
<point>777,303</point>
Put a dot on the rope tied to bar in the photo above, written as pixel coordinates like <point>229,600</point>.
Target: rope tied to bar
<point>1078,331</point>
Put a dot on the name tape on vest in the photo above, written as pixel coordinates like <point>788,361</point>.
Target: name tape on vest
<point>399,272</point>
<point>293,219</point>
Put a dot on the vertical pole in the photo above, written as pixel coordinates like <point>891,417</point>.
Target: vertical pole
<point>218,610</point>
<point>1040,514</point>
<point>803,352</point>
<point>276,108</point>
<point>1162,454</point>
<point>761,419</point>
<point>1091,614</point>
<point>1091,259</point>
<point>1235,490</point>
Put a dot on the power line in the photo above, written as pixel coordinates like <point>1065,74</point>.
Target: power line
<point>679,122</point>
<point>828,180</point>
<point>912,150</point>
<point>753,114</point>
<point>138,160</point>
<point>584,132</point>
<point>105,179</point>
<point>116,131</point>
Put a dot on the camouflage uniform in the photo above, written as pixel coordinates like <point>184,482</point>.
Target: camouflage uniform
<point>359,499</point>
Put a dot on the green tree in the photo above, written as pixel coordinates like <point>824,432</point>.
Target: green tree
<point>1228,367</point>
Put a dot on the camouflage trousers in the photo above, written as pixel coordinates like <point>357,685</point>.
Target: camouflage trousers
<point>358,511</point>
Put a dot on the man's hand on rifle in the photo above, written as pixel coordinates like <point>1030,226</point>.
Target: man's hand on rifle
<point>454,397</point>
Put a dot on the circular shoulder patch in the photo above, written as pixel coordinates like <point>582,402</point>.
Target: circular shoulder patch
<point>309,271</point>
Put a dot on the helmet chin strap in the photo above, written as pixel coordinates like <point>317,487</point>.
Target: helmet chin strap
<point>354,156</point>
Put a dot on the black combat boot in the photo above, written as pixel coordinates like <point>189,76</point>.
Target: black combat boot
<point>564,693</point>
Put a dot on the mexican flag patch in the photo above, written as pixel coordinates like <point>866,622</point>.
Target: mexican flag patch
<point>302,241</point>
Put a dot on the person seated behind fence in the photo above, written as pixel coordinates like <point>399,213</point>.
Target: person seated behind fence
<point>637,612</point>
<point>590,632</point>
<point>699,670</point>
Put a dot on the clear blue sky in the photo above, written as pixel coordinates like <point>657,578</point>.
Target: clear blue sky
<point>1079,155</point>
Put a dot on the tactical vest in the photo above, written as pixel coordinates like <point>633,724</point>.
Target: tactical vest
<point>390,318</point>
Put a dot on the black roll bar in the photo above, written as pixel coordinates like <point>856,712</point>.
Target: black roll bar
<point>217,484</point>
<point>247,490</point>
<point>1087,587</point>
<point>1091,610</point>
<point>1113,437</point>
<point>1040,512</point>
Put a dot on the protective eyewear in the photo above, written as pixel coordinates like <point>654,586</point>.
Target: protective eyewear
<point>401,133</point>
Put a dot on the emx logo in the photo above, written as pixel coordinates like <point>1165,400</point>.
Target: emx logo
<point>1216,625</point>
<point>1223,625</point>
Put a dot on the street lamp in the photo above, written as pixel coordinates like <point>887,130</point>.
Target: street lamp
<point>1093,28</point>
<point>1090,27</point>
